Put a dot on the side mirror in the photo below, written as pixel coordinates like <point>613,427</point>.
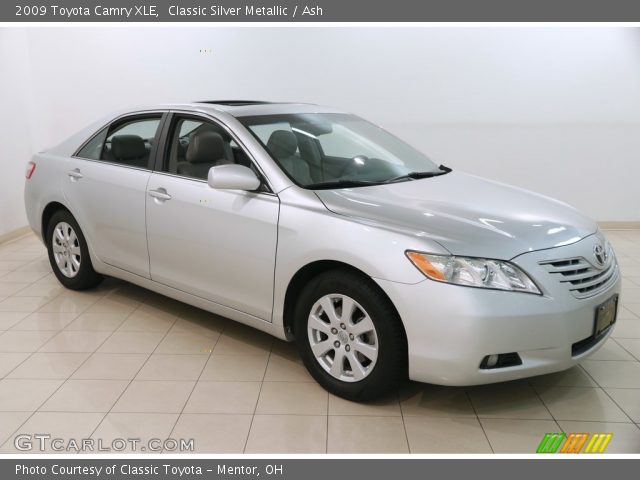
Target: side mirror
<point>233,177</point>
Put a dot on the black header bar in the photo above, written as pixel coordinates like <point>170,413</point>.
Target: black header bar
<point>213,11</point>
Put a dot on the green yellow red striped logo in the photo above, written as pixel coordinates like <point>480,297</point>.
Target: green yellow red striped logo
<point>574,443</point>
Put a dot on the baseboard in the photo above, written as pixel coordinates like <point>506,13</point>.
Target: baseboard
<point>619,225</point>
<point>13,234</point>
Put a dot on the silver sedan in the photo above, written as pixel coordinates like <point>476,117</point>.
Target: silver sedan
<point>312,224</point>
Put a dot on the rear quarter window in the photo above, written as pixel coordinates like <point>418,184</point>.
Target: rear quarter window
<point>93,149</point>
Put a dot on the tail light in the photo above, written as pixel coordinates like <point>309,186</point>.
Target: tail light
<point>31,167</point>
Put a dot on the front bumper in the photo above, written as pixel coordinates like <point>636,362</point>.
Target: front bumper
<point>450,328</point>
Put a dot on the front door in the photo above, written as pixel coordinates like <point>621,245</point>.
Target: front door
<point>217,244</point>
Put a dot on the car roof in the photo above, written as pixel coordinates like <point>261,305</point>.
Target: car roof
<point>244,108</point>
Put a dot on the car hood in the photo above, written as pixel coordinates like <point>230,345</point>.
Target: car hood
<point>467,215</point>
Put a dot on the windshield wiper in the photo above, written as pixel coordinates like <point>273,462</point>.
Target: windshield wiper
<point>417,175</point>
<point>344,183</point>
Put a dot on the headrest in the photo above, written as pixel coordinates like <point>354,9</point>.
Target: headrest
<point>282,143</point>
<point>205,147</point>
<point>127,147</point>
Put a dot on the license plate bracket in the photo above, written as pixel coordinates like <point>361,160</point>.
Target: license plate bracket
<point>606,314</point>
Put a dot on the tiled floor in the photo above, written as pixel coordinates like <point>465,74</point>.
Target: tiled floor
<point>123,362</point>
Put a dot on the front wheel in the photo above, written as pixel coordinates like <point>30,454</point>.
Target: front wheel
<point>349,336</point>
<point>68,253</point>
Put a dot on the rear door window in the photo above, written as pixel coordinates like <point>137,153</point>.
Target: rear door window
<point>127,142</point>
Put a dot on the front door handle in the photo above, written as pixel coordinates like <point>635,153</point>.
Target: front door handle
<point>160,194</point>
<point>75,174</point>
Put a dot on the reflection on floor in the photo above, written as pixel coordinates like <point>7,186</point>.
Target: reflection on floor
<point>121,362</point>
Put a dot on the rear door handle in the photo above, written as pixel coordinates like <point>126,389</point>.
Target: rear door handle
<point>160,194</point>
<point>75,174</point>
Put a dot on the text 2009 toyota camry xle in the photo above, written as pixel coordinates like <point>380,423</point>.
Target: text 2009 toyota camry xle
<point>315,225</point>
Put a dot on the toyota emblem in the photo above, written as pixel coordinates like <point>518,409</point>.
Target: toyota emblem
<point>600,254</point>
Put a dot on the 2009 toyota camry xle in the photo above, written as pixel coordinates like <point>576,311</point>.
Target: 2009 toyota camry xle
<point>316,226</point>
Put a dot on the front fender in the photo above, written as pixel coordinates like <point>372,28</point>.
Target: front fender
<point>308,232</point>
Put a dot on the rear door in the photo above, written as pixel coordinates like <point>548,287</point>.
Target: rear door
<point>105,185</point>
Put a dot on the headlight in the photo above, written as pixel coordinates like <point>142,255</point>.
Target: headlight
<point>473,272</point>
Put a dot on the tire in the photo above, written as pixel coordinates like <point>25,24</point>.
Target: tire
<point>358,376</point>
<point>68,253</point>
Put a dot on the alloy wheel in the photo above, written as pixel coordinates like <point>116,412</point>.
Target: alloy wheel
<point>66,249</point>
<point>342,337</point>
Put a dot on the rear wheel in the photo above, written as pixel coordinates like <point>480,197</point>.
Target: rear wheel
<point>349,336</point>
<point>68,253</point>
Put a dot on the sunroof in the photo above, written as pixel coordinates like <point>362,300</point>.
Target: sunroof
<point>233,103</point>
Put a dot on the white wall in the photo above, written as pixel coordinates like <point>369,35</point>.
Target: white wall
<point>556,110</point>
<point>16,132</point>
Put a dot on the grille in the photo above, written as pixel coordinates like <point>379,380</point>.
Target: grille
<point>581,277</point>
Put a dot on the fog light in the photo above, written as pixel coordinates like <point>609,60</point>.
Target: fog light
<point>500,360</point>
<point>492,361</point>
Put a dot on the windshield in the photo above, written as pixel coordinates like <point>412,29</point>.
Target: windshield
<point>320,150</point>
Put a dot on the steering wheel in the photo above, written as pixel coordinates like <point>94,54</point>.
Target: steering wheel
<point>357,164</point>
